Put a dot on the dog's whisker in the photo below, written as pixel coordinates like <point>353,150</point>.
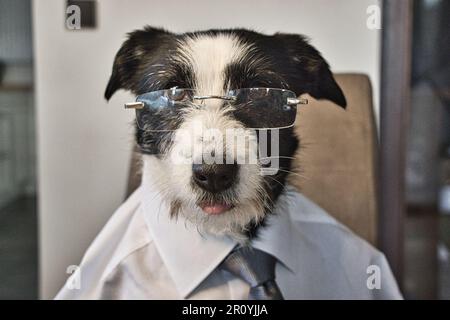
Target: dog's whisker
<point>294,173</point>
<point>273,179</point>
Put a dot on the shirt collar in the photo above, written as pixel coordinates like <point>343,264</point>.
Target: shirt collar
<point>276,238</point>
<point>283,236</point>
<point>190,256</point>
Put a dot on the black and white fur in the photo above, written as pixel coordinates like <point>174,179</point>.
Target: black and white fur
<point>212,62</point>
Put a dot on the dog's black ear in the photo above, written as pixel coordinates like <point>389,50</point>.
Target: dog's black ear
<point>308,71</point>
<point>141,50</point>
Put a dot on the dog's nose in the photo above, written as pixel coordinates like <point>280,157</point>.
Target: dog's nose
<point>214,177</point>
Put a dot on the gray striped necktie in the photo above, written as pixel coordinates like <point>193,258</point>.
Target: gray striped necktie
<point>257,268</point>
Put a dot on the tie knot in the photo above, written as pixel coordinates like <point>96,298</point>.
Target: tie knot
<point>251,265</point>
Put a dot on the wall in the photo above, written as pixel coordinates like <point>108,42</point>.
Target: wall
<point>84,143</point>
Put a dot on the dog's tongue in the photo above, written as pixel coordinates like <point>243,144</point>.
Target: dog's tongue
<point>215,208</point>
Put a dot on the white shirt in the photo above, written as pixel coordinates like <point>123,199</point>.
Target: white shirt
<point>143,254</point>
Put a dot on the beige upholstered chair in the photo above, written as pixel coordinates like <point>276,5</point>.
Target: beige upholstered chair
<point>337,158</point>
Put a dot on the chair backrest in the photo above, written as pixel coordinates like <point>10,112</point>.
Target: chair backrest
<point>337,156</point>
<point>336,161</point>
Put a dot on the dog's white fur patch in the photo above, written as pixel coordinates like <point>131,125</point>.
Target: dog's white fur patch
<point>208,56</point>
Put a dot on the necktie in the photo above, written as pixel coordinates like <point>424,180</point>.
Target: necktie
<point>257,268</point>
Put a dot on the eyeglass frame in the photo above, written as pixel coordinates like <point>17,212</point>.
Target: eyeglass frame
<point>138,105</point>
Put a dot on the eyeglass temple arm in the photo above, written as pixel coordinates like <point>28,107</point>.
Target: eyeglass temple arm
<point>134,105</point>
<point>141,105</point>
<point>296,101</point>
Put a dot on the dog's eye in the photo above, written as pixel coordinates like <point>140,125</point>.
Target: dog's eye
<point>256,94</point>
<point>177,95</point>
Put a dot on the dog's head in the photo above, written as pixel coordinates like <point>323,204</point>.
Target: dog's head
<point>228,197</point>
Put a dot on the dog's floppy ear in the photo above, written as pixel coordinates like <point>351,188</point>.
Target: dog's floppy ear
<point>308,71</point>
<point>141,50</point>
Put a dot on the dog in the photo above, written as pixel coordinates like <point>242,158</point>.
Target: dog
<point>215,112</point>
<point>213,62</point>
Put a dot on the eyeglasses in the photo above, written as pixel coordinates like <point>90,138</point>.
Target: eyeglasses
<point>259,108</point>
